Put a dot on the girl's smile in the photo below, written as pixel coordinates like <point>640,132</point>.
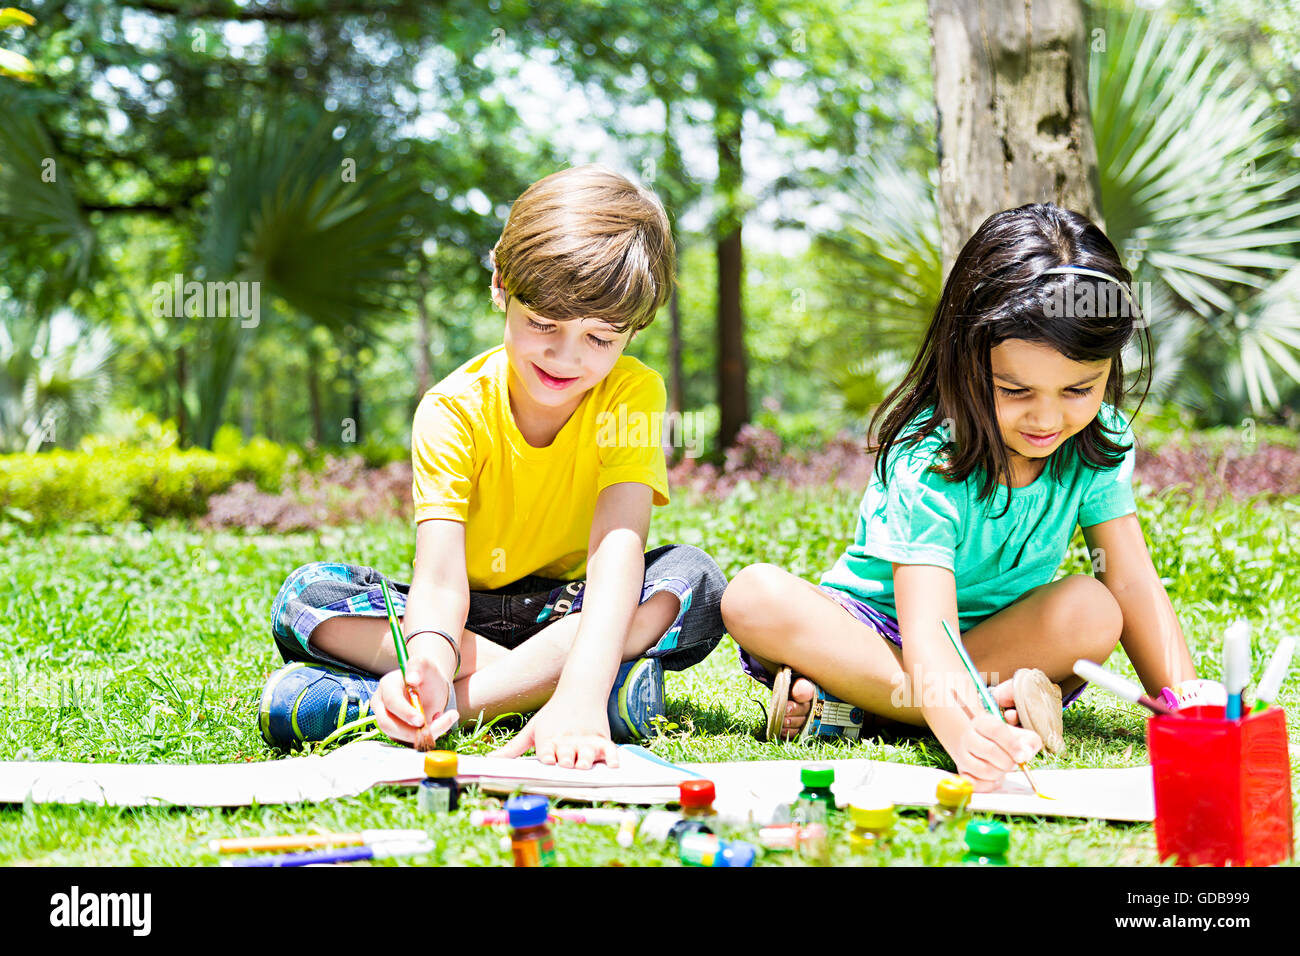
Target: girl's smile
<point>1043,397</point>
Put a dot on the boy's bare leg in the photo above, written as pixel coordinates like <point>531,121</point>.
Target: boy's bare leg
<point>492,679</point>
<point>783,620</point>
<point>524,679</point>
<point>367,642</point>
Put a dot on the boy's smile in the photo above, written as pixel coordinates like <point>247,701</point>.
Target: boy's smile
<point>1043,398</point>
<point>554,364</point>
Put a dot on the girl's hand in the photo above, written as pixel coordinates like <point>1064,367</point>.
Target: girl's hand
<point>990,749</point>
<point>403,722</point>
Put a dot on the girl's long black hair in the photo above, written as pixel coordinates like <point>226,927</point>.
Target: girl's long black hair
<point>996,292</point>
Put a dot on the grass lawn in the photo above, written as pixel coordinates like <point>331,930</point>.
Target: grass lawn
<point>152,646</point>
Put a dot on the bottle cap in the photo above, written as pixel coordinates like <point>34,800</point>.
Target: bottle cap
<point>817,776</point>
<point>878,815</point>
<point>527,810</point>
<point>954,791</point>
<point>738,853</point>
<point>697,794</point>
<point>988,838</point>
<point>440,763</point>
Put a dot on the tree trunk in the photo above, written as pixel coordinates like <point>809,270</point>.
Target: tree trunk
<point>182,426</point>
<point>733,394</point>
<point>354,384</point>
<point>313,391</point>
<point>676,389</point>
<point>1011,88</point>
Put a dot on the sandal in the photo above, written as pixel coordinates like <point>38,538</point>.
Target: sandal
<point>1038,706</point>
<point>829,716</point>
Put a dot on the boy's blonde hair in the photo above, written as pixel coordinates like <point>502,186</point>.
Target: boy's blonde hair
<point>587,243</point>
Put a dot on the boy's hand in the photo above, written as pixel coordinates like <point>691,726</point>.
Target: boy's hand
<point>401,721</point>
<point>565,734</point>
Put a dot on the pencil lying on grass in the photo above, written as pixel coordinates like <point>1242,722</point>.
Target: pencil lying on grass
<point>399,646</point>
<point>309,841</point>
<point>350,854</point>
<point>987,698</point>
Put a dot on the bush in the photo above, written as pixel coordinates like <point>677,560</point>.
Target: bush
<point>103,483</point>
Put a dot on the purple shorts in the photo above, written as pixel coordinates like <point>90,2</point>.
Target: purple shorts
<point>878,621</point>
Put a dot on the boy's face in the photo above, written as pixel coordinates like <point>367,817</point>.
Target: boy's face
<point>558,361</point>
<point>1040,392</point>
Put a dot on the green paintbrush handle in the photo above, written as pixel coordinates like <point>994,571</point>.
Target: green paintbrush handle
<point>399,645</point>
<point>989,703</point>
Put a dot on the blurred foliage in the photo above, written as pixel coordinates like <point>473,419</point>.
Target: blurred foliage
<point>1198,193</point>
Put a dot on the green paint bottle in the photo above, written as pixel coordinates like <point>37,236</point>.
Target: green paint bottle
<point>987,842</point>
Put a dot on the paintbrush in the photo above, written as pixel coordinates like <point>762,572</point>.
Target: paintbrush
<point>985,697</point>
<point>399,646</point>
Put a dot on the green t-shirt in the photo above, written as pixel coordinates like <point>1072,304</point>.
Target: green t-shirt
<point>922,518</point>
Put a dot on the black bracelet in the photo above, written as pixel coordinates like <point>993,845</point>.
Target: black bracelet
<point>446,637</point>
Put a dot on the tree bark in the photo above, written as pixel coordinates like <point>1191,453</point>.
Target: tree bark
<point>1011,89</point>
<point>733,393</point>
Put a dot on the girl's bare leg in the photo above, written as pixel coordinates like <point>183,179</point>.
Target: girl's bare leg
<point>783,620</point>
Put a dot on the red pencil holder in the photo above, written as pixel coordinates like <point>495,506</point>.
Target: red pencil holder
<point>1222,787</point>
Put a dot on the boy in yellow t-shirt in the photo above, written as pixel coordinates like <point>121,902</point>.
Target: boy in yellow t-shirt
<point>536,465</point>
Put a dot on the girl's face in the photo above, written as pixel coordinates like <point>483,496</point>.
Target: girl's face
<point>559,361</point>
<point>1043,397</point>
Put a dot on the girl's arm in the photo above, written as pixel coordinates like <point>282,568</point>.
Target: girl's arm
<point>983,748</point>
<point>1152,636</point>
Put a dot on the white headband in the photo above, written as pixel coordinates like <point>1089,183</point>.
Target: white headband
<point>1082,271</point>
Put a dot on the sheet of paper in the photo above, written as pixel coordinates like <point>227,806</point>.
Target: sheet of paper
<point>1124,794</point>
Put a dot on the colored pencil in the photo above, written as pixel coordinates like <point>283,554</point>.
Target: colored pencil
<point>377,851</point>
<point>307,841</point>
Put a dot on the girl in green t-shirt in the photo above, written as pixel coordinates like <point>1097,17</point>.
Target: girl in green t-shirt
<point>1004,435</point>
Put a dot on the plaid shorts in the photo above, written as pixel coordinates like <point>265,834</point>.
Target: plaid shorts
<point>508,615</point>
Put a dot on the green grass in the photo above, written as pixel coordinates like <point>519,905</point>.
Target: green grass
<point>152,646</point>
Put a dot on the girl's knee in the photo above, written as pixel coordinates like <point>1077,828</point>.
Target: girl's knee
<point>1092,613</point>
<point>747,595</point>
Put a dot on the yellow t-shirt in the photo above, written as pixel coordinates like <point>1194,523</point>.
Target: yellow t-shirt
<point>529,510</point>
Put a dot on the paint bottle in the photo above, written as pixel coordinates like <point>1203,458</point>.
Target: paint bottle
<point>817,787</point>
<point>439,792</point>
<point>953,808</point>
<point>808,839</point>
<point>873,823</point>
<point>664,826</point>
<point>530,837</point>
<point>705,849</point>
<point>696,798</point>
<point>986,843</point>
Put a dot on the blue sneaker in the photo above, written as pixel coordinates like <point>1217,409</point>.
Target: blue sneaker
<point>635,700</point>
<point>304,703</point>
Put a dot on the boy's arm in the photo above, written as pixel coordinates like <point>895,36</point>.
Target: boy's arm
<point>438,599</point>
<point>572,729</point>
<point>982,748</point>
<point>1152,637</point>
